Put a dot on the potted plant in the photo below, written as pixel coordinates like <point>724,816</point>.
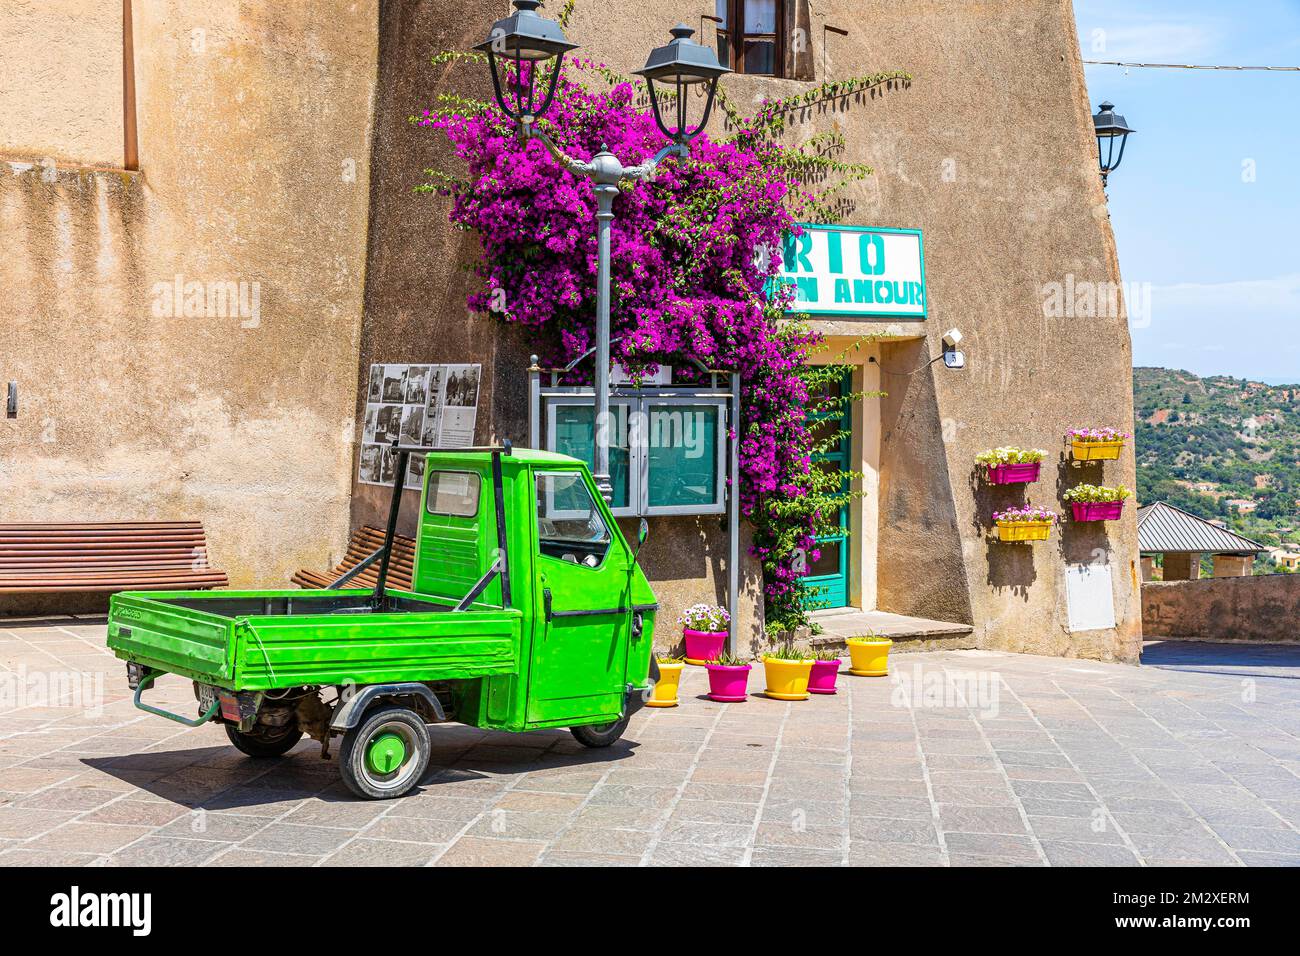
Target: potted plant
<point>1096,444</point>
<point>787,671</point>
<point>728,678</point>
<point>825,668</point>
<point>1011,465</point>
<point>670,675</point>
<point>1096,502</point>
<point>1026,523</point>
<point>869,655</point>
<point>704,628</point>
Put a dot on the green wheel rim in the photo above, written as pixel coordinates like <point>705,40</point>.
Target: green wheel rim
<point>386,753</point>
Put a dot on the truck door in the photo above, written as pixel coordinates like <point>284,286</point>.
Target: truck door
<point>580,646</point>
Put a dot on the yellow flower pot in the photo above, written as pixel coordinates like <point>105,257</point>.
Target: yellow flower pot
<point>665,692</point>
<point>869,656</point>
<point>1024,530</point>
<point>787,680</point>
<point>1096,450</point>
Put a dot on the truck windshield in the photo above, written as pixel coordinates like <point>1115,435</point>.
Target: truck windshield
<point>569,525</point>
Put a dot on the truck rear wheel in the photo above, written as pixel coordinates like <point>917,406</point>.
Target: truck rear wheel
<point>264,741</point>
<point>386,754</point>
<point>599,735</point>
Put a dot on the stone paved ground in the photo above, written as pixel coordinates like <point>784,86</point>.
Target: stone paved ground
<point>1191,759</point>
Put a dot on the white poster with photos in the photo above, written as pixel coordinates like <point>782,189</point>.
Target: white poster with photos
<point>433,406</point>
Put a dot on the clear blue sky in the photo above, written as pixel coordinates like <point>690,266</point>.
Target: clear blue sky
<point>1222,255</point>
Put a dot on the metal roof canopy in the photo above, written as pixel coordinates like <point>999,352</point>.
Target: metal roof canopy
<point>1164,529</point>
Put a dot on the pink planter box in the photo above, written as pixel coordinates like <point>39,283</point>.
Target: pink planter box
<point>1097,510</point>
<point>822,678</point>
<point>703,646</point>
<point>1014,474</point>
<point>727,683</point>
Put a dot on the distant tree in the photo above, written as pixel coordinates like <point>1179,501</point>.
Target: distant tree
<point>1187,398</point>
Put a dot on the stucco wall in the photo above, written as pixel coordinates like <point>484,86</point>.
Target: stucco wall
<point>254,145</point>
<point>61,80</point>
<point>1264,608</point>
<point>989,151</point>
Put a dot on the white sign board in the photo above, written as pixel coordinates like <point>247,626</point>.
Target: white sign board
<point>1089,597</point>
<point>435,406</point>
<point>854,271</point>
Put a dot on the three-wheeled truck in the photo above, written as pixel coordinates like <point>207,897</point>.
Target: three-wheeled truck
<point>528,610</point>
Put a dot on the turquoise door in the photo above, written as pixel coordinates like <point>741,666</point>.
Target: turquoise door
<point>828,576</point>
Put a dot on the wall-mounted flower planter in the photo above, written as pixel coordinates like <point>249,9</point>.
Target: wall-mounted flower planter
<point>1016,474</point>
<point>1096,450</point>
<point>1097,510</point>
<point>1024,530</point>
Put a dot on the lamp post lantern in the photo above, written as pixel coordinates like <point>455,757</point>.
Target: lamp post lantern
<point>1109,126</point>
<point>529,40</point>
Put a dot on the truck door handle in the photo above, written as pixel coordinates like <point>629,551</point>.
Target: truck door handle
<point>546,604</point>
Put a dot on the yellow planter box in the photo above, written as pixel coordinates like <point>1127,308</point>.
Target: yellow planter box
<point>787,680</point>
<point>1096,450</point>
<point>665,692</point>
<point>869,656</point>
<point>1024,530</point>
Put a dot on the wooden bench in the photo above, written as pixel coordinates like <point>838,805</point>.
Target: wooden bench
<point>39,557</point>
<point>365,541</point>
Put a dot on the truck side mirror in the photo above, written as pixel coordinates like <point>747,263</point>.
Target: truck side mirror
<point>642,532</point>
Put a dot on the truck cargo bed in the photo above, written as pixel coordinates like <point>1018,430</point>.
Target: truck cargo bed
<point>260,640</point>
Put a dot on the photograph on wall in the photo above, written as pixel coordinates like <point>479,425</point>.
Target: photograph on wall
<point>431,406</point>
<point>460,406</point>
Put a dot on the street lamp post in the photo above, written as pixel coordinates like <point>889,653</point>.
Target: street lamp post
<point>1109,126</point>
<point>526,38</point>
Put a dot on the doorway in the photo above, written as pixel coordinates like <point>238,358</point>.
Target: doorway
<point>828,577</point>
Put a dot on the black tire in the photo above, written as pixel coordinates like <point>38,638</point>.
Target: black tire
<point>264,741</point>
<point>362,778</point>
<point>599,735</point>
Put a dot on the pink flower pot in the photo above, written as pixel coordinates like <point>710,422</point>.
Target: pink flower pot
<point>1097,510</point>
<point>822,678</point>
<point>703,646</point>
<point>1014,474</point>
<point>727,683</point>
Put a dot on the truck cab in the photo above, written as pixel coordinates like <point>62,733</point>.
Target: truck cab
<point>527,610</point>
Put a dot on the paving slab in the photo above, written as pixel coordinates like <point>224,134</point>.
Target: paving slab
<point>1068,763</point>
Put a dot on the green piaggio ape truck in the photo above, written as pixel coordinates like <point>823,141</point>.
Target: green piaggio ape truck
<point>528,610</point>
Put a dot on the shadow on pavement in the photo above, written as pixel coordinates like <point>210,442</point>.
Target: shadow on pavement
<point>1228,660</point>
<point>221,778</point>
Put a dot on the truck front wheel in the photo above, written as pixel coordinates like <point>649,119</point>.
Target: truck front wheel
<point>264,741</point>
<point>386,754</point>
<point>599,735</point>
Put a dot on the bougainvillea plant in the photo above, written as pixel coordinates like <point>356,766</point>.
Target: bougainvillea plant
<point>694,254</point>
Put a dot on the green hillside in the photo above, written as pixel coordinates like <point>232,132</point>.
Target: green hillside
<point>1220,447</point>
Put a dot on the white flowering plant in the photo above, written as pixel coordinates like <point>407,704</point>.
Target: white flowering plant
<point>1010,455</point>
<point>1088,494</point>
<point>1097,434</point>
<point>1026,513</point>
<point>709,618</point>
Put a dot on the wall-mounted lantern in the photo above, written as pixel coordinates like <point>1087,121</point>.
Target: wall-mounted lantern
<point>1109,126</point>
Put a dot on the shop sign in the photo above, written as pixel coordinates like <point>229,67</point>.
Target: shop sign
<point>855,271</point>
